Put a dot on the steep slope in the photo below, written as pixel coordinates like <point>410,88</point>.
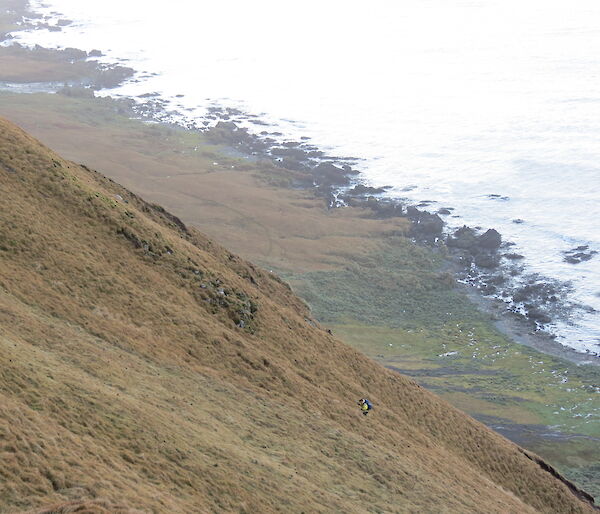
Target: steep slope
<point>146,368</point>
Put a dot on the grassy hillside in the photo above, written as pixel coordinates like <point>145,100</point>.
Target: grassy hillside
<point>146,367</point>
<point>355,271</point>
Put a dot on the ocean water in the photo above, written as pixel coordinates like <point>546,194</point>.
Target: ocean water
<point>448,101</point>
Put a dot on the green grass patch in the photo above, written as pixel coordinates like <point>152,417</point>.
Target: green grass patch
<point>400,286</point>
<point>398,307</point>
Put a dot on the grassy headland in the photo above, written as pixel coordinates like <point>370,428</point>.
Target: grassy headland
<point>372,286</point>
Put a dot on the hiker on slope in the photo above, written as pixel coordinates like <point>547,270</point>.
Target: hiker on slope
<point>365,405</point>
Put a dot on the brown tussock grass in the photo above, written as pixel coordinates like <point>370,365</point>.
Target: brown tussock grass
<point>123,378</point>
<point>87,507</point>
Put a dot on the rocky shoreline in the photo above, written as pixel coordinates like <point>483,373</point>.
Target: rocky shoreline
<point>478,258</point>
<point>69,66</point>
<point>522,305</point>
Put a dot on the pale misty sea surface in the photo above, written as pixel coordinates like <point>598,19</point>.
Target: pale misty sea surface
<point>458,99</point>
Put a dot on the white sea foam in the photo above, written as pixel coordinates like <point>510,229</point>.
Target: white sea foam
<point>460,99</point>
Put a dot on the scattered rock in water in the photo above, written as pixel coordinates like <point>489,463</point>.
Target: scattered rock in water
<point>362,190</point>
<point>497,280</point>
<point>535,292</point>
<point>518,221</point>
<point>444,211</point>
<point>535,314</point>
<point>513,256</point>
<point>580,254</point>
<point>498,197</point>
<point>348,169</point>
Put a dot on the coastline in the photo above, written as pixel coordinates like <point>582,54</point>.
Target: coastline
<point>238,222</point>
<point>490,265</point>
<point>480,267</point>
<point>522,331</point>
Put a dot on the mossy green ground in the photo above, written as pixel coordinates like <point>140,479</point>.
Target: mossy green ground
<point>396,304</point>
<point>398,307</point>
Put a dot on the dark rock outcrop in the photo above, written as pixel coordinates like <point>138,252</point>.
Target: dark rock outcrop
<point>429,224</point>
<point>490,240</point>
<point>463,238</point>
<point>328,174</point>
<point>294,153</point>
<point>483,248</point>
<point>226,125</point>
<point>487,260</point>
<point>424,224</point>
<point>289,163</point>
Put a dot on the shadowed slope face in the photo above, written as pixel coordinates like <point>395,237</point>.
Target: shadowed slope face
<point>145,367</point>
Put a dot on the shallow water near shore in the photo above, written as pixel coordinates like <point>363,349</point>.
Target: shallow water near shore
<point>491,108</point>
